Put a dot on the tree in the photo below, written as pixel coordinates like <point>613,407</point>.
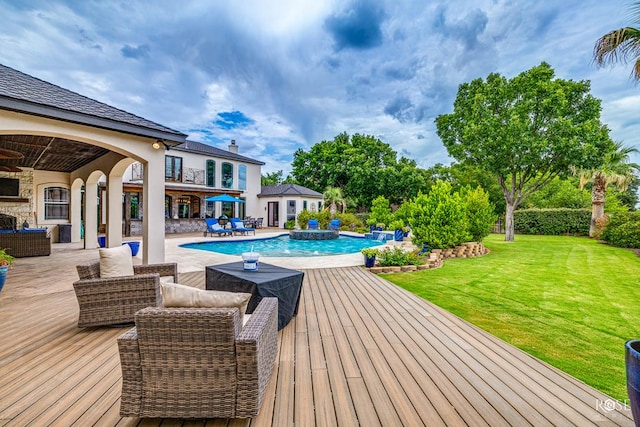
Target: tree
<point>362,166</point>
<point>616,169</point>
<point>273,178</point>
<point>621,45</point>
<point>525,131</point>
<point>480,213</point>
<point>333,197</point>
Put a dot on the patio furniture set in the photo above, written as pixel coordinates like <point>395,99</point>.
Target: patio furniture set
<point>194,355</point>
<point>25,242</point>
<point>238,226</point>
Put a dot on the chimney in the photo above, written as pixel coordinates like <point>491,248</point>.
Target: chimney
<point>233,147</point>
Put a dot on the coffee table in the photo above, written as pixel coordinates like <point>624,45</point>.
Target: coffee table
<point>268,281</point>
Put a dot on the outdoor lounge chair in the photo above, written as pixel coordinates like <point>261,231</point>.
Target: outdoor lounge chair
<point>115,300</point>
<point>334,224</point>
<point>238,227</point>
<point>214,227</point>
<point>313,224</point>
<point>198,362</point>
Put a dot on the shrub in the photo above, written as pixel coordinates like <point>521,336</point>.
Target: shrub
<point>439,218</point>
<point>290,225</point>
<point>396,256</point>
<point>623,230</point>
<point>552,221</point>
<point>323,217</point>
<point>480,212</point>
<point>349,221</point>
<point>380,211</point>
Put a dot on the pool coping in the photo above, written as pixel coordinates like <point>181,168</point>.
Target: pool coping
<point>196,260</point>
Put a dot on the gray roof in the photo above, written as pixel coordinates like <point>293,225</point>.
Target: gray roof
<point>198,147</point>
<point>288,190</point>
<point>24,93</point>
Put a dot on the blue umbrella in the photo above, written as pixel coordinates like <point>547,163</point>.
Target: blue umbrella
<point>223,198</point>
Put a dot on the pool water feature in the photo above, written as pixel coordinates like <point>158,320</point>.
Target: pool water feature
<point>283,246</point>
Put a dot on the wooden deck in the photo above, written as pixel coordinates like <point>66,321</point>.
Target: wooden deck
<point>360,352</point>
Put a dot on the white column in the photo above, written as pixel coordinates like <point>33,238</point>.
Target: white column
<point>91,215</point>
<point>153,202</point>
<point>114,210</point>
<point>76,210</point>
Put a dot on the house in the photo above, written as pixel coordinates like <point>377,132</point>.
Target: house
<point>282,203</point>
<point>55,147</point>
<point>193,172</point>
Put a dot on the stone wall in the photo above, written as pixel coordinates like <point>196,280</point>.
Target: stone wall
<point>22,207</point>
<point>171,226</point>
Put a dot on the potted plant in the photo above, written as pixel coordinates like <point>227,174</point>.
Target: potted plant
<point>369,256</point>
<point>6,261</point>
<point>632,366</point>
<point>398,234</point>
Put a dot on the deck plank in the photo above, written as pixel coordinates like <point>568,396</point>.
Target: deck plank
<point>360,352</point>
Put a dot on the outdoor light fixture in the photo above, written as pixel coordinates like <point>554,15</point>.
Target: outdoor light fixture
<point>159,143</point>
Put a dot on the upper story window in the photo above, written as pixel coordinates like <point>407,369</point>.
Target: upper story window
<point>56,203</point>
<point>242,177</point>
<point>173,168</point>
<point>227,175</point>
<point>211,173</point>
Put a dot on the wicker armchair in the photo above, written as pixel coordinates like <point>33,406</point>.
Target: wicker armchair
<point>115,300</point>
<point>198,362</point>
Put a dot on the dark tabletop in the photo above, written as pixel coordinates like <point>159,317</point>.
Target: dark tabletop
<point>268,281</point>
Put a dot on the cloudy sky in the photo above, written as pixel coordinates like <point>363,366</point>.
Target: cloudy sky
<point>278,75</point>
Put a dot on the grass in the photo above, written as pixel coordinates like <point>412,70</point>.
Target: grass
<point>569,301</point>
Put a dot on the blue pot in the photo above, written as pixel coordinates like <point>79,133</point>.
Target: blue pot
<point>632,365</point>
<point>102,241</point>
<point>135,247</point>
<point>372,228</point>
<point>398,235</point>
<point>3,275</point>
<point>369,261</point>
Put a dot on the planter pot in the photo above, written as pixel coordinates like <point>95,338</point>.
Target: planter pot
<point>135,247</point>
<point>372,228</point>
<point>102,241</point>
<point>369,261</point>
<point>3,275</point>
<point>632,365</point>
<point>398,235</point>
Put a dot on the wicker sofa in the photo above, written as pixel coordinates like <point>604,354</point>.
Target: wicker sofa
<point>198,362</point>
<point>26,243</point>
<point>115,300</point>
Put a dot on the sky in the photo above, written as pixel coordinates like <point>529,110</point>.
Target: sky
<point>282,75</point>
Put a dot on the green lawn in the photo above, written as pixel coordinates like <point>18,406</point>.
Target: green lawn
<point>569,301</point>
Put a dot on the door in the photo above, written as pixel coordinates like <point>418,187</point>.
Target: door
<point>272,214</point>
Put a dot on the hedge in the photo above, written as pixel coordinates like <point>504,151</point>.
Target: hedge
<point>552,221</point>
<point>623,230</point>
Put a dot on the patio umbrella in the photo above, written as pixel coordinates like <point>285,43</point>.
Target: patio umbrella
<point>223,198</point>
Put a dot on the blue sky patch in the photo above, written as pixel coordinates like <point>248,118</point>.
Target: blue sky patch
<point>232,120</point>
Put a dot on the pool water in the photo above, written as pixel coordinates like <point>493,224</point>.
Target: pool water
<point>283,246</point>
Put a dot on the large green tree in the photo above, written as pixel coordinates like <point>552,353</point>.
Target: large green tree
<point>617,169</point>
<point>526,131</point>
<point>362,166</point>
<point>621,45</point>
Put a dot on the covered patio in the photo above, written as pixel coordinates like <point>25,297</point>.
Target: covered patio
<point>360,352</point>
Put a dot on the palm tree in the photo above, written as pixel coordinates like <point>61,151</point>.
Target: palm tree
<point>333,197</point>
<point>621,45</point>
<point>616,169</point>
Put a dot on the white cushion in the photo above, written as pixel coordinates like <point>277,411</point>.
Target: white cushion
<point>175,295</point>
<point>116,262</point>
<point>238,224</point>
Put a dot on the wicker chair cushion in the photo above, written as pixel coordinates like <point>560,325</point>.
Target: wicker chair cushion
<point>116,262</point>
<point>175,295</point>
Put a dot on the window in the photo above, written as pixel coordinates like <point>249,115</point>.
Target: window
<point>242,177</point>
<point>184,205</point>
<point>173,168</point>
<point>167,207</point>
<point>56,203</point>
<point>135,206</point>
<point>227,175</point>
<point>304,205</point>
<point>211,173</point>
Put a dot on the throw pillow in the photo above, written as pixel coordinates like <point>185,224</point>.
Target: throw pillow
<point>116,262</point>
<point>175,295</point>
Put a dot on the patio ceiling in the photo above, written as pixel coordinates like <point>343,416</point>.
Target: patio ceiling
<point>49,153</point>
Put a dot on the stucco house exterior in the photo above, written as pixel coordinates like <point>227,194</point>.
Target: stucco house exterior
<point>281,203</point>
<point>193,172</point>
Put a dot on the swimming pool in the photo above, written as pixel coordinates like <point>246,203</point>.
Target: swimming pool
<point>283,246</point>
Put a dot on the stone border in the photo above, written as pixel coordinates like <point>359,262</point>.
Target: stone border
<point>437,257</point>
